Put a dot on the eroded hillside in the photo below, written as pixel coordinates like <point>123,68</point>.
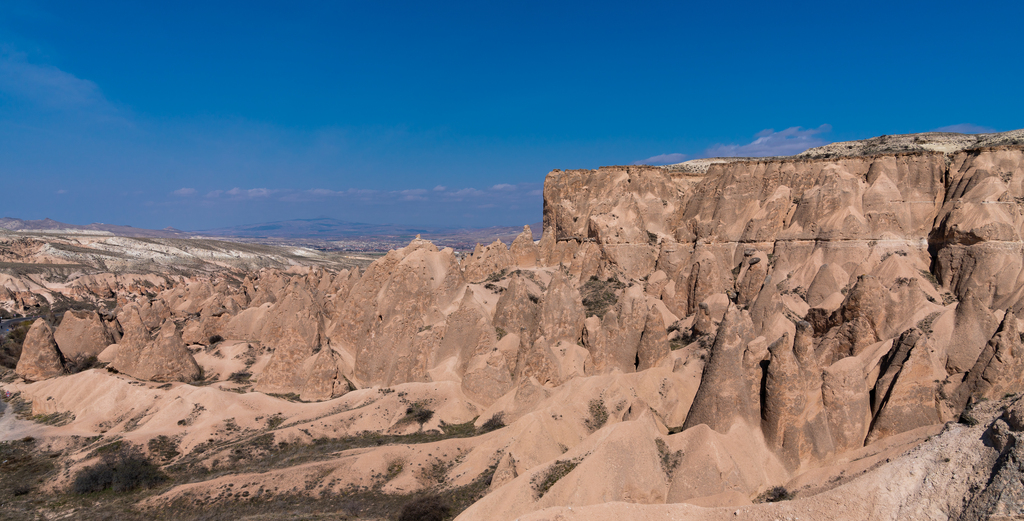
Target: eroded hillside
<point>832,335</point>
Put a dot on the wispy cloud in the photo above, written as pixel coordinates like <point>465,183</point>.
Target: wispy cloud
<point>184,192</point>
<point>966,128</point>
<point>661,159</point>
<point>768,142</point>
<point>47,86</point>
<point>413,195</point>
<point>237,193</point>
<point>440,188</point>
<point>504,187</point>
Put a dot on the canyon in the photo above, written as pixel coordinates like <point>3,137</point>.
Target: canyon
<point>831,335</point>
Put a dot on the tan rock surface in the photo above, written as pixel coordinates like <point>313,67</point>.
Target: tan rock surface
<point>82,333</point>
<point>40,357</point>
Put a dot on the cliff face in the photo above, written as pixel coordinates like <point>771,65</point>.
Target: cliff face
<point>958,212</point>
<point>880,258</point>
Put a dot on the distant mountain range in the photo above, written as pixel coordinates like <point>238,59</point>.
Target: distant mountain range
<point>323,231</point>
<point>13,224</point>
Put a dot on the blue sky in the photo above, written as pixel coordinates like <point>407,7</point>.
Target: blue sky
<point>199,115</point>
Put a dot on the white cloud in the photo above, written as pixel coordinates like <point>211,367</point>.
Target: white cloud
<point>792,140</point>
<point>966,128</point>
<point>504,187</point>
<point>662,159</point>
<point>250,193</point>
<point>214,193</point>
<point>413,195</point>
<point>184,192</point>
<point>440,188</point>
<point>467,192</point>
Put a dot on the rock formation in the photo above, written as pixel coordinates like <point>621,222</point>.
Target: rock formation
<point>40,357</point>
<point>701,333</point>
<point>82,333</point>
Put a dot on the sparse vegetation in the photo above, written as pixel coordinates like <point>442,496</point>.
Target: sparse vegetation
<point>501,332</point>
<point>436,473</point>
<point>22,467</point>
<point>240,377</point>
<point>416,412</point>
<point>10,349</point>
<point>930,278</point>
<point>684,338</point>
<point>163,447</point>
<point>774,495</point>
<point>542,483</point>
<point>669,460</point>
<point>598,415</point>
<point>80,362</point>
<point>429,508</point>
<point>493,423</point>
<point>496,276</point>
<point>395,467</point>
<point>925,325</point>
<point>121,470</point>
<point>57,419</point>
<point>459,430</point>
<point>599,295</point>
<point>291,397</point>
<point>215,339</point>
<point>274,421</point>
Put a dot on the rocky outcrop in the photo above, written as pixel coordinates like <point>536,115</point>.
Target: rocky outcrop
<point>158,358</point>
<point>906,393</point>
<point>293,328</point>
<point>524,251</point>
<point>40,357</point>
<point>999,369</point>
<point>82,333</point>
<point>794,419</point>
<point>399,332</point>
<point>724,397</point>
<point>488,260</point>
